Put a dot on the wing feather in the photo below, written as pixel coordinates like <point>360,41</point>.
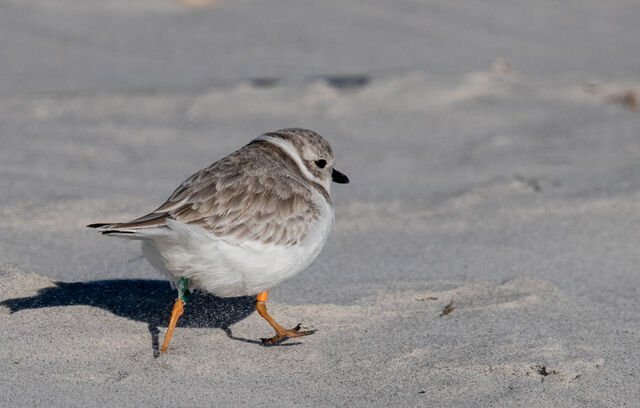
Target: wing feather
<point>255,194</point>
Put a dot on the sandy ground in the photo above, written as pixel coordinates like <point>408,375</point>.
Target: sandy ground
<point>484,254</point>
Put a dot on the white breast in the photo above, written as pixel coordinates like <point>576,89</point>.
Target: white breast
<point>226,269</point>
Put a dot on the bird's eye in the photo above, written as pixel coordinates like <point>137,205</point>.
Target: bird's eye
<point>321,163</point>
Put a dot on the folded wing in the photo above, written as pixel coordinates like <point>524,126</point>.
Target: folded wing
<point>235,202</point>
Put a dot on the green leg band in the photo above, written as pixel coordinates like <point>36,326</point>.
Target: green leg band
<point>183,289</point>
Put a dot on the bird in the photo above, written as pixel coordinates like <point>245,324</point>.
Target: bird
<point>244,224</point>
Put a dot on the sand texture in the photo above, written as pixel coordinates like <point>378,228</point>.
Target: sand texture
<point>485,253</point>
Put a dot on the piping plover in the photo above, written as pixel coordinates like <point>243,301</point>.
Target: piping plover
<point>244,224</point>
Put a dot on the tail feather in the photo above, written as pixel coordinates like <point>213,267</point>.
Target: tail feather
<point>106,229</point>
<point>107,232</point>
<point>153,220</point>
<point>114,230</point>
<point>100,225</point>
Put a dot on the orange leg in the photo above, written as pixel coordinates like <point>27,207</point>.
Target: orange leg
<point>175,315</point>
<point>178,308</point>
<point>281,332</point>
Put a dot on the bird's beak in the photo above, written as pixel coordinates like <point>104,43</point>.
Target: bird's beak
<point>338,177</point>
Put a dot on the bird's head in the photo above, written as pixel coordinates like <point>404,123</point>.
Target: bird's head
<point>314,152</point>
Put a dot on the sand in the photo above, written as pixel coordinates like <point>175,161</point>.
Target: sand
<point>484,254</point>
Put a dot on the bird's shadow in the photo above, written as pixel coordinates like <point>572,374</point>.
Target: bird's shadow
<point>148,301</point>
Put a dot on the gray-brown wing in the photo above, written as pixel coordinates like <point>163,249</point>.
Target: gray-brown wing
<point>263,209</point>
<point>241,199</point>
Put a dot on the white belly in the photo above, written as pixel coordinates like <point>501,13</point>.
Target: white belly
<point>225,269</point>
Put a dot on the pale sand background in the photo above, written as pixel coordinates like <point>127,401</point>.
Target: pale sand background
<point>514,193</point>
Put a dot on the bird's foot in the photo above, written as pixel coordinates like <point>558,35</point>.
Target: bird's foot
<point>284,333</point>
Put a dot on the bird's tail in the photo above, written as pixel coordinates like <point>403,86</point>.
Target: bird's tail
<point>111,229</point>
<point>132,229</point>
